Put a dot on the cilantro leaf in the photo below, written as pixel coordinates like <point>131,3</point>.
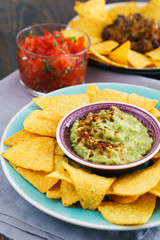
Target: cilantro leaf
<point>47,67</point>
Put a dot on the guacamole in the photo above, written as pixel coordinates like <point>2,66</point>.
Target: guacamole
<point>110,137</point>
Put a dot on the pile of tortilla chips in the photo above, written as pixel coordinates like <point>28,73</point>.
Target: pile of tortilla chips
<point>93,17</point>
<point>34,153</point>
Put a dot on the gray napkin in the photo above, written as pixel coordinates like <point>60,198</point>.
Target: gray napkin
<point>20,220</point>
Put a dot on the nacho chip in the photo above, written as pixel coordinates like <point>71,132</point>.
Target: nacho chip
<point>92,26</point>
<point>19,137</point>
<point>90,188</point>
<point>77,3</point>
<point>137,183</point>
<point>62,104</point>
<point>142,102</point>
<point>58,162</point>
<point>95,40</point>
<point>36,178</point>
<point>124,9</point>
<point>59,171</point>
<point>120,54</point>
<point>76,165</point>
<point>155,112</point>
<point>58,150</point>
<point>137,212</point>
<point>156,63</point>
<point>138,60</point>
<point>156,163</point>
<point>68,194</point>
<point>154,54</point>
<point>91,91</point>
<point>42,122</point>
<point>110,95</point>
<point>156,190</point>
<point>60,175</point>
<point>103,59</point>
<point>36,154</point>
<point>54,192</point>
<point>105,47</point>
<point>123,199</point>
<point>157,155</point>
<point>151,9</point>
<point>93,9</point>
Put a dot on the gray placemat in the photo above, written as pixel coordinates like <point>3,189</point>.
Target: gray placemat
<point>20,220</point>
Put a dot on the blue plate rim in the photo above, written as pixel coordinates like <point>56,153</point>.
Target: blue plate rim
<point>54,214</point>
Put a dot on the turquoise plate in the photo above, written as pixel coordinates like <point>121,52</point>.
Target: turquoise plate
<point>78,216</point>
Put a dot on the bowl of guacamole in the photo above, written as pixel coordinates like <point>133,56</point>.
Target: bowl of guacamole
<point>109,136</point>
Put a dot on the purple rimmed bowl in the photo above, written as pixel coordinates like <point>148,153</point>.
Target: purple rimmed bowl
<point>147,119</point>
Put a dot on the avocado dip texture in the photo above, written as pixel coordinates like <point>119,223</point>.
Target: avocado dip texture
<point>110,137</point>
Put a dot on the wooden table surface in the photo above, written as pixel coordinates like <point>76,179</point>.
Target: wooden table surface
<point>17,14</point>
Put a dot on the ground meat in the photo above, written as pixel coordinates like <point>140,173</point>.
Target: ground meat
<point>142,32</point>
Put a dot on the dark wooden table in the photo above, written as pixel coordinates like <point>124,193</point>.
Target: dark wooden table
<point>17,14</point>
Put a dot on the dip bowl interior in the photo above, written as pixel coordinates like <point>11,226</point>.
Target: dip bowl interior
<point>148,120</point>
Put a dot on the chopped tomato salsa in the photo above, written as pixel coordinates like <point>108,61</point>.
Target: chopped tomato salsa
<point>52,61</point>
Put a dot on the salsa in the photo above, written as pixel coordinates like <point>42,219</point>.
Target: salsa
<point>51,61</point>
<point>110,137</point>
<point>141,31</point>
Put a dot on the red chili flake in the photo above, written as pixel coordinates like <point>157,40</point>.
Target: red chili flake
<point>91,155</point>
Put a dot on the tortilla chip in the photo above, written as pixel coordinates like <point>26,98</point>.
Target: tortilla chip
<point>42,122</point>
<point>58,162</point>
<point>156,190</point>
<point>90,188</point>
<point>62,104</point>
<point>36,178</point>
<point>154,54</point>
<point>157,155</point>
<point>156,163</point>
<point>142,102</point>
<point>95,40</point>
<point>151,9</point>
<point>105,47</point>
<point>92,26</point>
<point>103,59</point>
<point>36,154</point>
<point>137,183</point>
<point>58,150</point>
<point>77,3</point>
<point>110,95</point>
<point>91,91</point>
<point>93,9</point>
<point>76,165</point>
<point>125,9</point>
<point>59,171</point>
<point>123,199</point>
<point>138,60</point>
<point>54,192</point>
<point>60,175</point>
<point>137,212</point>
<point>120,54</point>
<point>156,63</point>
<point>155,112</point>
<point>19,137</point>
<point>68,193</point>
